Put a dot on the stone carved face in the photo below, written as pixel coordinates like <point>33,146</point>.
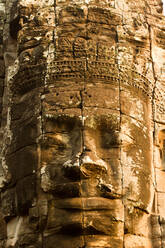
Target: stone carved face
<point>95,161</point>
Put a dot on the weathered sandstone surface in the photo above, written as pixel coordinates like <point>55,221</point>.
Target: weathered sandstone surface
<point>82,124</point>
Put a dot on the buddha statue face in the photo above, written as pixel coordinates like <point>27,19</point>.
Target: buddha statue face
<point>95,163</point>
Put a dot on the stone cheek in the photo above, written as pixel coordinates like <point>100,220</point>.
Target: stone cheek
<point>82,125</point>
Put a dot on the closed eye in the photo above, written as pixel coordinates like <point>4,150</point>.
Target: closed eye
<point>108,139</point>
<point>53,141</point>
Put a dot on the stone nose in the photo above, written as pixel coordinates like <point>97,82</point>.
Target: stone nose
<point>90,163</point>
<point>86,164</point>
<point>92,166</point>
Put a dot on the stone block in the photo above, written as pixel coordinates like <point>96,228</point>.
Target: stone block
<point>61,99</point>
<point>103,97</point>
<point>1,86</point>
<point>3,232</point>
<point>161,203</point>
<point>25,194</point>
<point>134,105</point>
<point>63,241</point>
<point>26,107</point>
<point>93,241</point>
<point>156,231</point>
<point>133,241</point>
<point>160,180</point>
<point>8,202</point>
<point>22,163</point>
<point>19,233</point>
<point>25,134</point>
<point>136,161</point>
<point>102,15</point>
<point>2,68</point>
<point>133,224</point>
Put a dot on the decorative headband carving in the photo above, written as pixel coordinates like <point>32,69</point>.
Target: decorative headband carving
<point>30,77</point>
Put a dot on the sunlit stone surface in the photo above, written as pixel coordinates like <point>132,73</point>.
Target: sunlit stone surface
<point>82,93</point>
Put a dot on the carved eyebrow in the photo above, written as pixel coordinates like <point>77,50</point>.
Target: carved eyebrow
<point>68,119</point>
<point>106,122</point>
<point>53,142</point>
<point>64,122</point>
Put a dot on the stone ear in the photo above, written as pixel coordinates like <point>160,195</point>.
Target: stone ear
<point>15,27</point>
<point>161,138</point>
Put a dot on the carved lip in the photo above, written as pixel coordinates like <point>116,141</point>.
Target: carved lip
<point>88,203</point>
<point>86,215</point>
<point>72,190</point>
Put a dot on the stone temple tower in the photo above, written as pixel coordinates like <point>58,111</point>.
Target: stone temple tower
<point>82,124</point>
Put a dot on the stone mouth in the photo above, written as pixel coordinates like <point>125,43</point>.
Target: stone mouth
<point>79,229</point>
<point>87,203</point>
<point>86,216</point>
<point>73,190</point>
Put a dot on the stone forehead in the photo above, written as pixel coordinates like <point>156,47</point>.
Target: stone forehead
<point>99,95</point>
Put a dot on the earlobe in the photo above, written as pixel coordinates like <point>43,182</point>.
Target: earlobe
<point>161,138</point>
<point>15,27</point>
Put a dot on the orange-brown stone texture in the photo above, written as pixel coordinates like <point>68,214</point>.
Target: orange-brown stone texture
<point>82,115</point>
